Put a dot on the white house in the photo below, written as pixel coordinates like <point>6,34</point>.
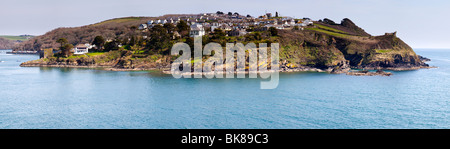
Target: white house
<point>81,49</point>
<point>143,26</point>
<point>197,30</point>
<point>292,22</point>
<point>306,22</point>
<point>150,22</point>
<point>213,28</point>
<point>275,26</point>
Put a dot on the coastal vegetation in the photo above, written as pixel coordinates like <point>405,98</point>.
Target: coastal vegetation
<point>325,45</point>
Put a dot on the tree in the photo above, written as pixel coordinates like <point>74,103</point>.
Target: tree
<point>62,41</point>
<point>328,21</point>
<point>132,41</point>
<point>218,35</point>
<point>37,44</point>
<point>99,41</point>
<point>276,14</point>
<point>190,42</point>
<point>169,27</point>
<point>111,46</point>
<point>219,12</point>
<point>273,31</point>
<point>66,49</point>
<point>159,39</point>
<point>253,36</point>
<point>230,13</point>
<point>182,26</point>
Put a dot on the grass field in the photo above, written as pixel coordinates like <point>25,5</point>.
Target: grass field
<point>119,20</point>
<point>15,38</point>
<point>95,53</point>
<point>328,32</point>
<point>382,50</point>
<point>330,29</point>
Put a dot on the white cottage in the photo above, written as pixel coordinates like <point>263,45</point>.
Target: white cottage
<point>143,26</point>
<point>150,22</point>
<point>81,49</point>
<point>197,30</point>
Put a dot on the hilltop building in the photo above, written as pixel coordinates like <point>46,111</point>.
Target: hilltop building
<point>197,30</point>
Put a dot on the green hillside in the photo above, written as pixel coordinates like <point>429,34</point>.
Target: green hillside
<point>325,45</point>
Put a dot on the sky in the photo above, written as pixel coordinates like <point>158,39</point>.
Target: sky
<point>420,23</point>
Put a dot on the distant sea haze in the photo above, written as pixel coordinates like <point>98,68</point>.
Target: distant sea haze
<point>38,97</point>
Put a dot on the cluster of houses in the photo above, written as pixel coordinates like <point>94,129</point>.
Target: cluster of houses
<point>232,24</point>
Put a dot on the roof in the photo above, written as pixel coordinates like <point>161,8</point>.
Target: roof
<point>81,46</point>
<point>196,27</point>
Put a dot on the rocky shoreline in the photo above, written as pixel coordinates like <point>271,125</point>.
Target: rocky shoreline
<point>368,73</point>
<point>163,69</point>
<point>166,70</point>
<point>108,68</point>
<point>164,64</point>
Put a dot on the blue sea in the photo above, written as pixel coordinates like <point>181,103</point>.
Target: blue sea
<point>33,97</point>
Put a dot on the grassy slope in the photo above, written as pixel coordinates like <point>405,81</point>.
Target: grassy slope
<point>120,20</point>
<point>15,38</point>
<point>328,32</point>
<point>330,29</point>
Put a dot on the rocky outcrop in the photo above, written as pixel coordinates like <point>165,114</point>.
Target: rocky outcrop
<point>368,73</point>
<point>424,59</point>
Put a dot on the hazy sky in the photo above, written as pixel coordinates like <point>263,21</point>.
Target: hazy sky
<point>420,23</point>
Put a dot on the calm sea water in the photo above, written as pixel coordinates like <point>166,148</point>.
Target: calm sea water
<point>87,98</point>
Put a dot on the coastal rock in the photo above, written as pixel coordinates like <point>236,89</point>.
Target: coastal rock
<point>342,67</point>
<point>368,73</point>
<point>424,59</point>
